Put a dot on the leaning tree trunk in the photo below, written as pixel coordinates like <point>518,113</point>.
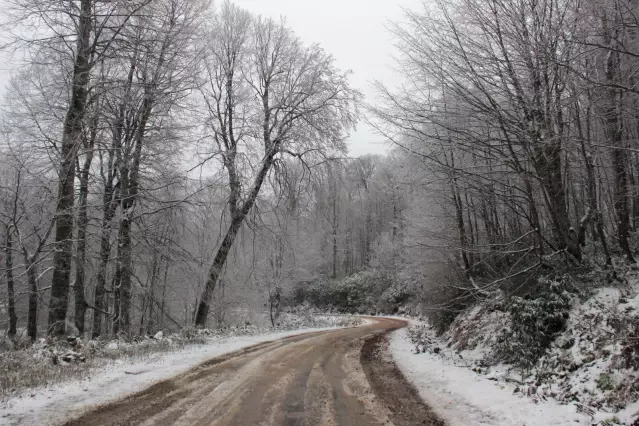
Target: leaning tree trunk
<point>58,303</point>
<point>238,217</point>
<point>8,263</point>
<point>214,273</point>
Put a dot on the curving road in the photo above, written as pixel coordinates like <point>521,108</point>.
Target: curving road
<point>337,377</point>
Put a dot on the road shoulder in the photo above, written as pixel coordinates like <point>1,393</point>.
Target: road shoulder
<point>461,397</point>
<point>392,387</point>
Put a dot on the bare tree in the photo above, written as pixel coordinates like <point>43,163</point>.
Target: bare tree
<point>28,224</point>
<point>267,96</point>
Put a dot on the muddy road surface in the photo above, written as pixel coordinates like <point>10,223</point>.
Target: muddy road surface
<point>338,377</point>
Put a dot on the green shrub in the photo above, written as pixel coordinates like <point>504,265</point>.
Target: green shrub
<point>605,381</point>
<point>366,292</point>
<point>535,321</point>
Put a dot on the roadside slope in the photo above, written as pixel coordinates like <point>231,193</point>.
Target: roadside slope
<point>462,398</point>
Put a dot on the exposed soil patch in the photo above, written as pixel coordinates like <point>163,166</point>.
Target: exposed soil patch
<point>388,383</point>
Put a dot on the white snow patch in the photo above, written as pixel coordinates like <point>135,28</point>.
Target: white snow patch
<point>461,397</point>
<point>57,404</point>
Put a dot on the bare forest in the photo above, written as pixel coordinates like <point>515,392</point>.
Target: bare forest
<point>183,164</point>
<point>161,160</point>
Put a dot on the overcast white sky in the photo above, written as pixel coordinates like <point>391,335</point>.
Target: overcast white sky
<point>352,30</point>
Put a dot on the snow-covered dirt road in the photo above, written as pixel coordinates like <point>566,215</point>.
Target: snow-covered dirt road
<point>338,377</point>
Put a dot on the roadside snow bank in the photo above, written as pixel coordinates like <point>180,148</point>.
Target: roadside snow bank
<point>461,397</point>
<point>590,364</point>
<point>53,405</point>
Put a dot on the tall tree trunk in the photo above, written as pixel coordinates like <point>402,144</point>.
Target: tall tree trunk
<point>593,213</point>
<point>82,223</point>
<point>110,202</point>
<point>100,301</point>
<point>151,296</point>
<point>8,263</point>
<point>534,217</point>
<point>274,304</point>
<point>129,179</point>
<point>334,225</point>
<point>117,298</point>
<point>635,189</point>
<point>461,227</point>
<point>368,234</point>
<point>124,285</point>
<point>632,221</point>
<point>121,285</point>
<point>59,301</point>
<point>163,303</point>
<point>614,128</point>
<point>471,230</point>
<point>621,202</point>
<point>32,313</point>
<point>548,165</point>
<point>147,298</point>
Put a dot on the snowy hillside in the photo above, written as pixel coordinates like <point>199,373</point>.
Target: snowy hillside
<point>590,367</point>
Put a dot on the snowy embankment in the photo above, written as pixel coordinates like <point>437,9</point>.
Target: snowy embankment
<point>462,398</point>
<point>53,405</point>
<point>589,374</point>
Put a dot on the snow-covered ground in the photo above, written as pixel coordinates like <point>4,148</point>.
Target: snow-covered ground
<point>462,398</point>
<point>53,405</point>
<point>588,375</point>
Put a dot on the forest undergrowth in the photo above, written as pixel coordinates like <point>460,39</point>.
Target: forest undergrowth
<point>572,336</point>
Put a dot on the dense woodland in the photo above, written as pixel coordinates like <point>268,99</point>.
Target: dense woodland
<point>520,119</point>
<point>166,163</point>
